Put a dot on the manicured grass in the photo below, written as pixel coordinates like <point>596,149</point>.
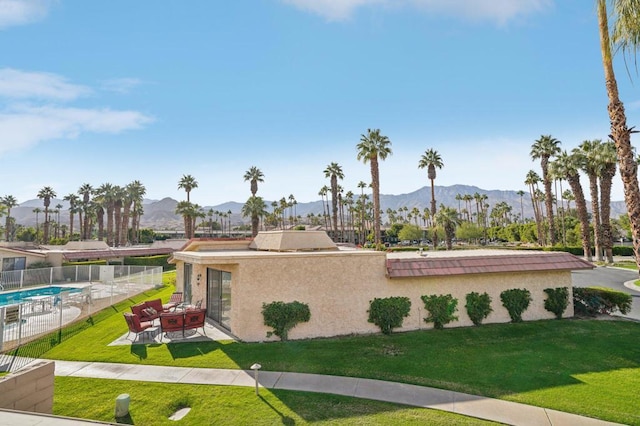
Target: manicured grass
<point>587,367</point>
<point>152,404</point>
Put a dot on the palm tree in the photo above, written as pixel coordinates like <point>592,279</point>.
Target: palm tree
<point>10,202</point>
<point>334,172</point>
<point>591,165</point>
<point>137,192</point>
<point>37,211</point>
<point>531,181</point>
<point>46,194</point>
<point>521,194</point>
<point>626,37</point>
<point>609,163</point>
<point>107,195</point>
<point>569,167</point>
<point>432,161</point>
<point>85,190</point>
<point>187,182</point>
<point>73,200</point>
<point>57,224</point>
<point>256,208</point>
<point>362,185</point>
<point>374,146</point>
<point>254,175</point>
<point>543,149</point>
<point>447,217</point>
<point>118,200</point>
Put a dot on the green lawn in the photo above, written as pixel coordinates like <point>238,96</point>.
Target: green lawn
<point>152,404</point>
<point>587,367</point>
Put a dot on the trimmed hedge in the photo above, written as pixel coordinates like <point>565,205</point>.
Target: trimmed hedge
<point>591,301</point>
<point>158,260</point>
<point>557,300</point>
<point>441,309</point>
<point>389,313</point>
<point>85,263</point>
<point>478,307</point>
<point>516,301</point>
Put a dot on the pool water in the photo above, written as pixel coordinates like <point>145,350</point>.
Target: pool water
<point>15,297</point>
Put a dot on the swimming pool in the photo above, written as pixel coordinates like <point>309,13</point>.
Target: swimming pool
<point>15,297</point>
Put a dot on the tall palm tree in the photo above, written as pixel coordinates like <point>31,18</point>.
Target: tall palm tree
<point>609,163</point>
<point>334,172</point>
<point>73,201</point>
<point>187,182</point>
<point>46,194</point>
<point>137,192</point>
<point>372,147</point>
<point>432,161</point>
<point>626,37</point>
<point>569,166</point>
<point>107,194</point>
<point>531,181</point>
<point>543,149</point>
<point>254,175</point>
<point>362,185</point>
<point>591,165</point>
<point>85,190</point>
<point>37,211</point>
<point>118,200</point>
<point>521,194</point>
<point>256,208</point>
<point>9,201</point>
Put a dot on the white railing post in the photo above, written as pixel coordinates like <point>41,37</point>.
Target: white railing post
<point>50,276</point>
<point>21,277</point>
<point>2,311</point>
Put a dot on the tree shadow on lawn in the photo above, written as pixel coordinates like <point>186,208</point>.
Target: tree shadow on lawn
<point>191,349</point>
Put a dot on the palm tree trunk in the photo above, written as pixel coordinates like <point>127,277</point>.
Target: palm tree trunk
<point>605,211</point>
<point>595,209</point>
<point>375,183</point>
<point>581,208</point>
<point>620,133</point>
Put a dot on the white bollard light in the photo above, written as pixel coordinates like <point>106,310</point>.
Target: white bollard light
<point>122,405</point>
<point>255,367</point>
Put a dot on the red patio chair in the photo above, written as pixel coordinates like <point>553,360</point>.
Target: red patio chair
<point>174,301</point>
<point>171,322</point>
<point>135,325</point>
<point>194,319</point>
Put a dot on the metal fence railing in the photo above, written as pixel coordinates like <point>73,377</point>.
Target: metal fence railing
<point>30,309</point>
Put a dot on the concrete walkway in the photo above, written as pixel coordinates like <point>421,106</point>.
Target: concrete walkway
<point>419,396</point>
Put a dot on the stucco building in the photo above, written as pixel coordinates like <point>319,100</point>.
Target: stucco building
<point>234,278</point>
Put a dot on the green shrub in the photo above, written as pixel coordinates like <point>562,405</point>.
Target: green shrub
<point>388,313</point>
<point>591,301</point>
<point>623,251</point>
<point>478,307</point>
<point>516,301</point>
<point>86,262</point>
<point>557,300</point>
<point>441,309</point>
<point>157,260</point>
<point>282,317</point>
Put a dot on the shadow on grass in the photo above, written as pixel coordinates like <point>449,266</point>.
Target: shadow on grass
<point>126,420</point>
<point>286,420</point>
<point>191,349</point>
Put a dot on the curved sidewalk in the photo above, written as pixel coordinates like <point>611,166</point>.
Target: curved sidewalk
<point>419,396</point>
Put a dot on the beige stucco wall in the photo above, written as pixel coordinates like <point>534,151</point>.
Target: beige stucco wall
<point>30,389</point>
<point>30,258</point>
<point>338,287</point>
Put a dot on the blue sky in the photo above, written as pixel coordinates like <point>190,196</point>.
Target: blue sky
<point>97,91</point>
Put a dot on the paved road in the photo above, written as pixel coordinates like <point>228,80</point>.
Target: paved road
<point>613,278</point>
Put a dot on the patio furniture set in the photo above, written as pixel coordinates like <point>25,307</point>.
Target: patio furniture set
<point>174,316</point>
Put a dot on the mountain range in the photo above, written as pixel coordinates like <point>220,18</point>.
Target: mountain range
<point>160,214</point>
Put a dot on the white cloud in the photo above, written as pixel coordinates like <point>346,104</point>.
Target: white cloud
<point>20,12</point>
<point>25,126</point>
<point>121,85</point>
<point>16,84</point>
<point>499,11</point>
<point>332,9</point>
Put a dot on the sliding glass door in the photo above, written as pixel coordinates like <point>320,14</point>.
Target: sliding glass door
<point>219,297</point>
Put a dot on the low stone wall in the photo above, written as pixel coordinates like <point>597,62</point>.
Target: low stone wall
<point>30,389</point>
